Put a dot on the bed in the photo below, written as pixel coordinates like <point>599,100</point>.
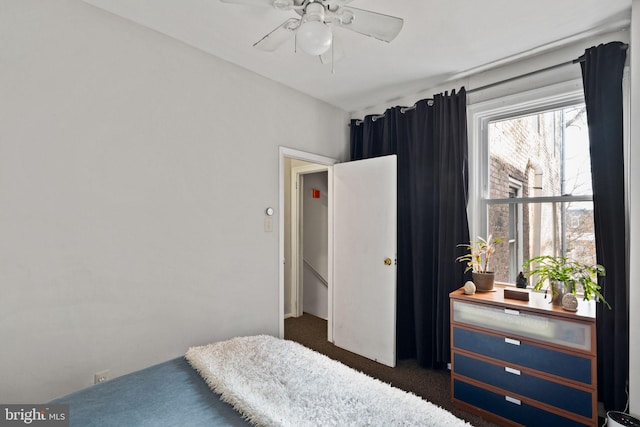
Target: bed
<point>169,394</point>
<point>257,380</point>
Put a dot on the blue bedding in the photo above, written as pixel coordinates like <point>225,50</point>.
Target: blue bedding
<point>169,394</point>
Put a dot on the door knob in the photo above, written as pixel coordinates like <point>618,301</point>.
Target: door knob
<point>388,261</point>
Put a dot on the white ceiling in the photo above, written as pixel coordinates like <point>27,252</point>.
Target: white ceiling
<point>440,39</point>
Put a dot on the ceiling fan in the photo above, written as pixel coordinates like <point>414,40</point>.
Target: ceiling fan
<point>313,29</point>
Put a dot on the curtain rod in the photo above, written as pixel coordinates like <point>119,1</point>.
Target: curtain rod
<point>402,110</point>
<point>578,60</point>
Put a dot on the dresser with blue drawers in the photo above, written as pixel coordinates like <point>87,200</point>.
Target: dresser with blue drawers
<point>523,362</point>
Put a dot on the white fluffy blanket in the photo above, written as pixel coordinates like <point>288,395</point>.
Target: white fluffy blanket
<point>274,382</point>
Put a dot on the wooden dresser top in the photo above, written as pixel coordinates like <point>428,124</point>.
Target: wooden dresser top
<point>537,303</point>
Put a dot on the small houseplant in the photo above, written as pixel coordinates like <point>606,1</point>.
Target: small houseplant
<point>477,260</point>
<point>565,276</point>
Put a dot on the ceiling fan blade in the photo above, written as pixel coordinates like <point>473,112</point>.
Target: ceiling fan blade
<point>250,2</point>
<point>372,24</point>
<point>279,36</point>
<point>276,4</point>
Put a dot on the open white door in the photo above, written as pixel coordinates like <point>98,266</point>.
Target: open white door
<point>364,253</point>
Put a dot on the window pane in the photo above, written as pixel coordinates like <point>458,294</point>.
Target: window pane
<point>557,228</point>
<point>544,154</point>
<point>580,232</point>
<point>577,160</point>
<point>548,152</point>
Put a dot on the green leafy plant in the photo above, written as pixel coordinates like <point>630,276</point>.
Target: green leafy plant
<point>480,251</point>
<point>568,272</point>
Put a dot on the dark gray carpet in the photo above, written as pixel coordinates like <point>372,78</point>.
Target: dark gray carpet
<point>432,385</point>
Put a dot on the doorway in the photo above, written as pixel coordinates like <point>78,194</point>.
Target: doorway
<point>361,248</point>
<point>294,166</point>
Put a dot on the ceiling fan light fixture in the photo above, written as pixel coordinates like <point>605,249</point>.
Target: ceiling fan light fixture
<point>314,37</point>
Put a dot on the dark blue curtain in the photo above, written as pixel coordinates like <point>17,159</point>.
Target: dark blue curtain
<point>602,71</point>
<point>431,146</point>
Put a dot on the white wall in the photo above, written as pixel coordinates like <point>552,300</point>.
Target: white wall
<point>633,158</point>
<point>134,174</point>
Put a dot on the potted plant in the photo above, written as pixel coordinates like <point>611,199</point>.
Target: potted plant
<point>565,276</point>
<point>477,260</point>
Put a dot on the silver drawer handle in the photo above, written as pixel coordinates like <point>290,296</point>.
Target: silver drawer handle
<point>513,400</point>
<point>511,370</point>
<point>512,312</point>
<point>511,341</point>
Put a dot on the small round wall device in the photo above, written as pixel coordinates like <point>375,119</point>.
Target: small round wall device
<point>620,419</point>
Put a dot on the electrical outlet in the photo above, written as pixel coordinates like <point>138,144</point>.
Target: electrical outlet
<point>100,377</point>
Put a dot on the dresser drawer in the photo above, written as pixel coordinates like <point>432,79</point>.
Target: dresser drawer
<point>571,366</point>
<point>508,407</point>
<point>553,330</point>
<point>511,380</point>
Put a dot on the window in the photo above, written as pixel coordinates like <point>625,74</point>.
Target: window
<point>536,189</point>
